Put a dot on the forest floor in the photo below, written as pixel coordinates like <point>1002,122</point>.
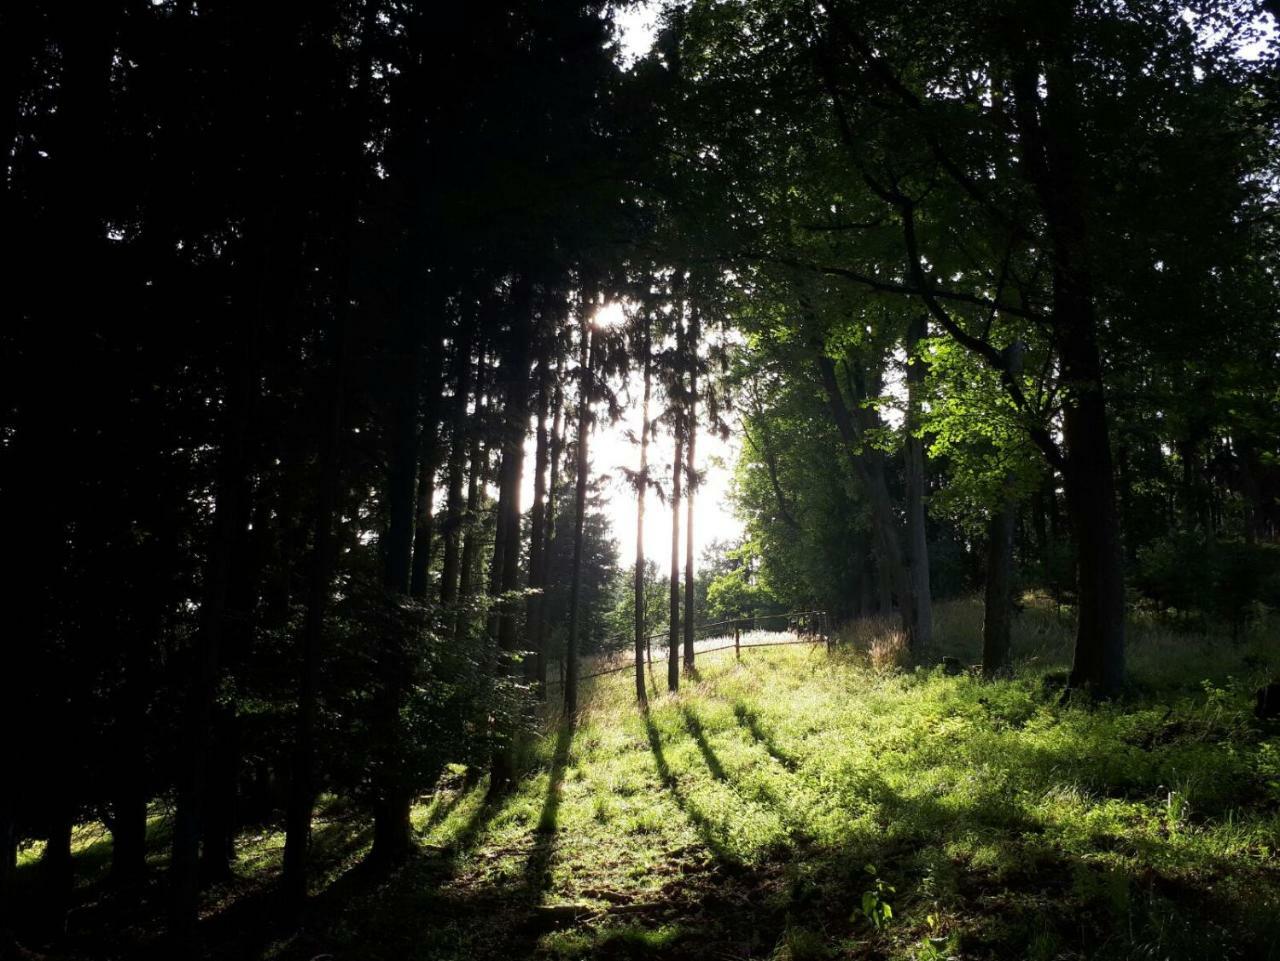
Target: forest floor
<point>804,804</point>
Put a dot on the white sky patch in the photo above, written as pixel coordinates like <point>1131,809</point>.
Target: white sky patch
<point>637,27</point>
<point>612,449</point>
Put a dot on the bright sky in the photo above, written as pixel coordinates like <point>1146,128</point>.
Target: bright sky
<point>611,449</point>
<point>637,23</point>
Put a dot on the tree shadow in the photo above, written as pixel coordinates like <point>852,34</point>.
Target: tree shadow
<point>693,725</point>
<point>536,870</point>
<point>705,829</point>
<point>750,720</point>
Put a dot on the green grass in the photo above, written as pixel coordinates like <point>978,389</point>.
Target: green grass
<point>801,804</point>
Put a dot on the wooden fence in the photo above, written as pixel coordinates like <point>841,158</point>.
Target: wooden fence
<point>810,627</point>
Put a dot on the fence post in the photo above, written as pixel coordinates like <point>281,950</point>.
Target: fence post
<point>737,641</point>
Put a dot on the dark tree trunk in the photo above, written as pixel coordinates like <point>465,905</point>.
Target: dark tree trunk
<point>476,479</point>
<point>553,495</point>
<point>392,839</point>
<point>230,512</point>
<point>1048,132</point>
<point>8,858</point>
<point>507,552</point>
<point>673,641</point>
<point>424,527</point>
<point>997,623</point>
<point>642,487</point>
<point>579,526</point>
<point>998,610</point>
<point>917,553</point>
<point>302,784</point>
<point>534,667</point>
<point>691,438</point>
<point>868,467</point>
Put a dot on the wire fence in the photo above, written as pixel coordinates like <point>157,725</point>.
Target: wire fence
<point>810,627</point>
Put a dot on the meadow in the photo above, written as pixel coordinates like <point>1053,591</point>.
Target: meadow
<point>803,803</point>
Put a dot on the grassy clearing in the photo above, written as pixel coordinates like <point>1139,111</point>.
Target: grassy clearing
<point>806,805</point>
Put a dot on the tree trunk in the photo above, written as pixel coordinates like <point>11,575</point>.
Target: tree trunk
<point>868,467</point>
<point>459,436</point>
<point>998,609</point>
<point>673,648</point>
<point>515,428</point>
<point>997,622</point>
<point>579,524</point>
<point>691,438</point>
<point>534,668</point>
<point>917,553</point>
<point>229,515</point>
<point>553,488</point>
<point>302,784</point>
<point>1048,134</point>
<point>424,528</point>
<point>642,486</point>
<point>479,457</point>
<point>392,839</point>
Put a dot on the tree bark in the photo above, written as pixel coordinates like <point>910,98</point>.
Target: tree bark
<point>998,608</point>
<point>507,550</point>
<point>392,839</point>
<point>642,486</point>
<point>424,527</point>
<point>534,667</point>
<point>868,467</point>
<point>691,438</point>
<point>459,444</point>
<point>579,526</point>
<point>997,622</point>
<point>673,648</point>
<point>557,441</point>
<point>917,553</point>
<point>1048,133</point>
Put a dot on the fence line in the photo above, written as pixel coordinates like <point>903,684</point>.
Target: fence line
<point>820,637</point>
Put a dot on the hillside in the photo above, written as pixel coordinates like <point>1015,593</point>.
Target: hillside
<point>801,804</point>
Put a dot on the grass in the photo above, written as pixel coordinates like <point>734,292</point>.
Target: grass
<point>806,804</point>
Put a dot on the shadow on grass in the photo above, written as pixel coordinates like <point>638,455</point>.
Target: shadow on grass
<point>751,721</point>
<point>705,828</point>
<point>693,725</point>
<point>536,871</point>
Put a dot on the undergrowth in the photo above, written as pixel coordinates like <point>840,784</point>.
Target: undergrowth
<point>802,803</point>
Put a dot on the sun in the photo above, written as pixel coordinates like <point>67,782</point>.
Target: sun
<point>609,315</point>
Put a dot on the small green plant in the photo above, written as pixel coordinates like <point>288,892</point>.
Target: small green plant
<point>875,903</point>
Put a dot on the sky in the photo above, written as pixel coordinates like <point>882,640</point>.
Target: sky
<point>611,449</point>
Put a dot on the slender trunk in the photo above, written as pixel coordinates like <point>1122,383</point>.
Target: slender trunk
<point>56,865</point>
<point>691,438</point>
<point>998,608</point>
<point>642,486</point>
<point>392,839</point>
<point>424,527</point>
<point>8,858</point>
<point>579,523</point>
<point>917,553</point>
<point>479,470</point>
<point>553,494</point>
<point>997,623</point>
<point>515,428</point>
<point>459,434</point>
<point>673,648</point>
<point>534,667</point>
<point>302,784</point>
<point>198,715</point>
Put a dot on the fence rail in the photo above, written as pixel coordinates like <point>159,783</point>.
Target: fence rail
<point>816,623</point>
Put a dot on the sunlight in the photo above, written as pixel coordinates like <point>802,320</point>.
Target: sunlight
<point>609,316</point>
